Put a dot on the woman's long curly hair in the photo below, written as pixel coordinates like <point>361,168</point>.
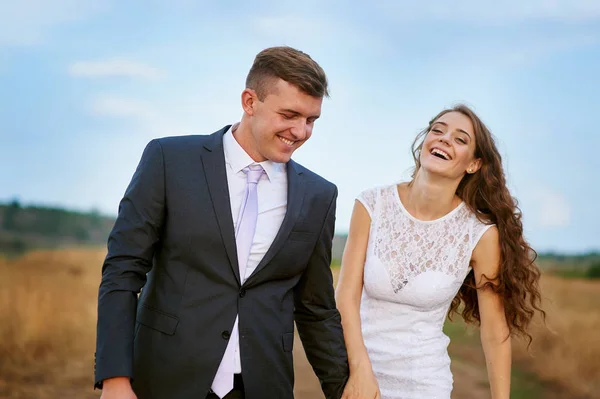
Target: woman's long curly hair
<point>486,194</point>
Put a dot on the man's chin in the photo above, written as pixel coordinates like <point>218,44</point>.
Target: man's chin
<point>281,157</point>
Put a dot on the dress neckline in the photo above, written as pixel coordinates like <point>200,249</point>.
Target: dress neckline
<point>395,187</point>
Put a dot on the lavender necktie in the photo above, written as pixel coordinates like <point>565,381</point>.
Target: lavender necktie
<point>244,235</point>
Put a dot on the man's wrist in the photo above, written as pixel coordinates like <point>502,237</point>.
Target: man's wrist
<point>116,382</point>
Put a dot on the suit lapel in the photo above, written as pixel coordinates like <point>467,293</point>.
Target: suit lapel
<point>295,198</point>
<point>215,171</point>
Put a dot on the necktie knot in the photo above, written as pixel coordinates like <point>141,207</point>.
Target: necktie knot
<point>253,173</point>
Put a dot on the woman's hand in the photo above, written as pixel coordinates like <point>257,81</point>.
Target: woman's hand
<point>362,384</point>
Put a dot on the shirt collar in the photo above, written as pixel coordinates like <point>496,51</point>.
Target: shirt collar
<point>238,158</point>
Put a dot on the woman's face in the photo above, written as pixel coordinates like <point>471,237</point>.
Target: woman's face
<point>449,147</point>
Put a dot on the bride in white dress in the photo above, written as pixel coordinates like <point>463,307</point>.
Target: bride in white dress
<point>414,253</point>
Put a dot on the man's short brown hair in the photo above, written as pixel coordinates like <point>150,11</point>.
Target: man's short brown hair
<point>289,64</point>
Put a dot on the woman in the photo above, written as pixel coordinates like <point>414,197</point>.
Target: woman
<point>418,250</point>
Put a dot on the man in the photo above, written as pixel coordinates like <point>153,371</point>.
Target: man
<point>229,241</point>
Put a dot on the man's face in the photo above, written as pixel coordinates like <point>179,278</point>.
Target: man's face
<point>281,123</point>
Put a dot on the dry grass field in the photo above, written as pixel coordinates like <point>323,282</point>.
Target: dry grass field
<point>567,353</point>
<point>48,316</point>
<point>47,324</point>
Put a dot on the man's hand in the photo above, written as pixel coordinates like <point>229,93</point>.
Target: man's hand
<point>117,388</point>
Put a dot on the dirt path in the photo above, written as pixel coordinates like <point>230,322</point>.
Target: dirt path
<point>306,384</point>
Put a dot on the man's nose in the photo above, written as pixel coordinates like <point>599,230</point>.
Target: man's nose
<point>299,130</point>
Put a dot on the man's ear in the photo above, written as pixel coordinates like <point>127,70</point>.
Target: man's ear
<point>249,100</point>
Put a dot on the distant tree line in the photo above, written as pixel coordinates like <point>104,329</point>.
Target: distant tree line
<point>29,227</point>
<point>26,227</point>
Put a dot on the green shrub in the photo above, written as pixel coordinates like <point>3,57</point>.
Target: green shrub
<point>594,271</point>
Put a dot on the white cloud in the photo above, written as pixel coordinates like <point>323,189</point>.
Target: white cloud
<point>550,208</point>
<point>113,68</point>
<point>388,25</point>
<point>121,108</point>
<point>517,52</point>
<point>532,50</point>
<point>318,31</point>
<point>493,12</point>
<point>28,22</point>
<point>153,120</point>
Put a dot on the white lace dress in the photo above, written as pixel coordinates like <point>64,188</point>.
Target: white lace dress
<point>413,270</point>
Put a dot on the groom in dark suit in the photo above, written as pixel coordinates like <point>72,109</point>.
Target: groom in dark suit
<point>229,242</point>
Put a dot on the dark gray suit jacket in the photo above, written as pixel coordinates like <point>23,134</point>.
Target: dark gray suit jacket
<point>174,240</point>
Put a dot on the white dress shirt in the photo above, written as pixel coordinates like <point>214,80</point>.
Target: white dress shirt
<point>272,205</point>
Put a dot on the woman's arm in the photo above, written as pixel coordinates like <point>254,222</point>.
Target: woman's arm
<point>495,337</point>
<point>362,382</point>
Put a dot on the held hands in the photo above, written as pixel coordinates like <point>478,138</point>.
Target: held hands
<point>117,388</point>
<point>362,384</point>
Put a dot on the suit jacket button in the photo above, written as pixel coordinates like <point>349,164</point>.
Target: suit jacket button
<point>242,292</point>
<point>225,334</point>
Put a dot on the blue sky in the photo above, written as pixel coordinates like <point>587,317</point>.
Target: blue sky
<point>85,84</point>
